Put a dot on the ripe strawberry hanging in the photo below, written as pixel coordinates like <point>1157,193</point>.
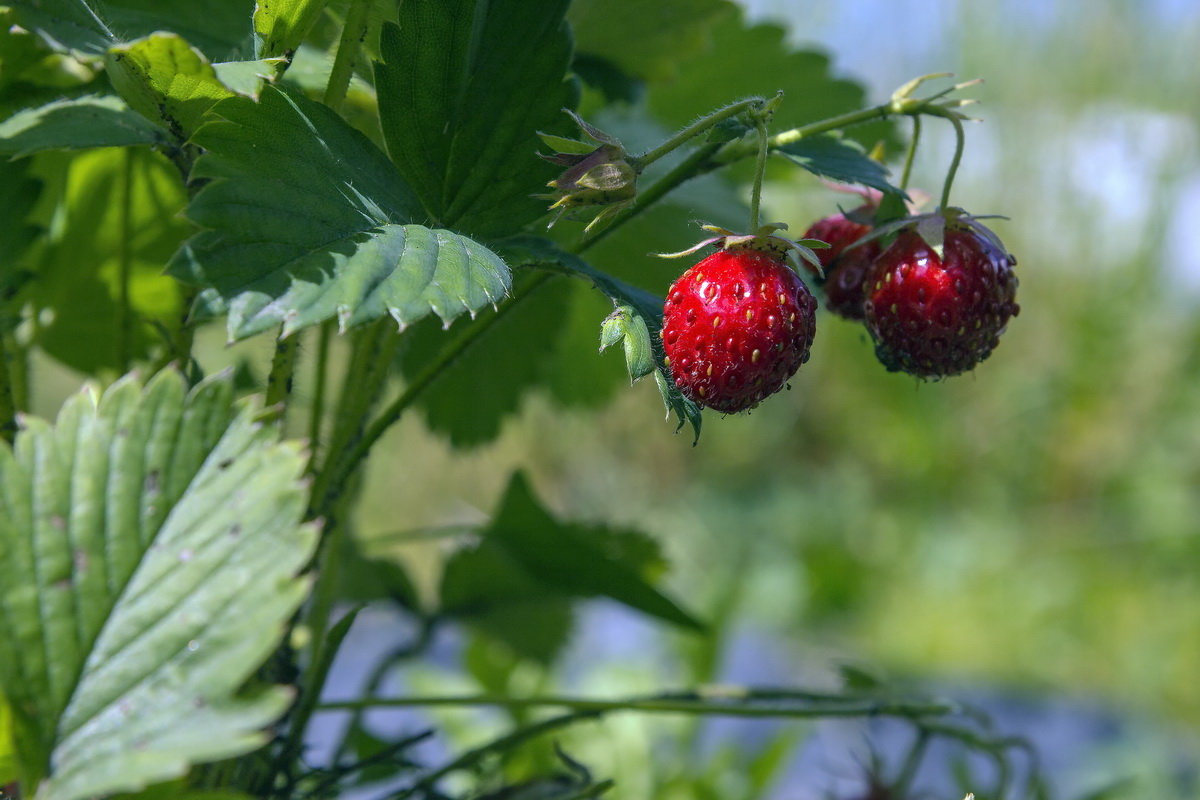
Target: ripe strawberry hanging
<point>845,269</point>
<point>940,295</point>
<point>740,323</point>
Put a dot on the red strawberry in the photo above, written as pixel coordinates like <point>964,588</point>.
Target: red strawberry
<point>845,269</point>
<point>736,326</point>
<point>935,316</point>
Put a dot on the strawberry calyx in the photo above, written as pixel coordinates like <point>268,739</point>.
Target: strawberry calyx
<point>598,171</point>
<point>765,240</point>
<point>932,229</point>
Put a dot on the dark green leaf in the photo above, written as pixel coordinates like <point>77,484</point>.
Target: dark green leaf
<point>579,560</point>
<point>81,122</point>
<point>543,254</point>
<point>463,89</point>
<point>150,540</point>
<point>221,30</point>
<point>18,192</point>
<point>507,361</point>
<point>745,60</point>
<point>646,38</point>
<point>78,264</point>
<point>309,221</point>
<point>839,159</point>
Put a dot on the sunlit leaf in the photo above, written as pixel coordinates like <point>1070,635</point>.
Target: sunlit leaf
<point>77,123</point>
<point>838,159</point>
<point>463,89</point>
<point>150,537</point>
<point>308,221</point>
<point>280,25</point>
<point>171,83</point>
<point>78,264</point>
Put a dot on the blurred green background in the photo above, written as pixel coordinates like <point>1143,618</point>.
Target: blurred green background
<point>1033,525</point>
<point>1032,528</point>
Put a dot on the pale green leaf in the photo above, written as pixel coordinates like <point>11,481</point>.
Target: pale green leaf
<point>645,38</point>
<point>76,123</point>
<point>464,87</point>
<point>308,221</point>
<point>170,82</point>
<point>77,264</point>
<point>151,539</point>
<point>280,25</point>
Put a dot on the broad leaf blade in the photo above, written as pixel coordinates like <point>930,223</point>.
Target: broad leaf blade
<point>580,560</point>
<point>168,81</point>
<point>839,159</point>
<point>220,30</point>
<point>645,38</point>
<point>463,89</point>
<point>151,537</point>
<point>77,123</point>
<point>280,25</point>
<point>765,63</point>
<point>309,221</point>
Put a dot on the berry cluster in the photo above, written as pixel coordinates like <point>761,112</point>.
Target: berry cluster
<point>934,291</point>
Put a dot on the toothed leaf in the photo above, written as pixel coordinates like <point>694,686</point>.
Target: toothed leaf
<point>150,538</point>
<point>308,221</point>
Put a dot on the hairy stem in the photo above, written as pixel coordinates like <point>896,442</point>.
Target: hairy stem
<point>760,168</point>
<point>696,128</point>
<point>283,368</point>
<point>959,143</point>
<point>911,155</point>
<point>353,32</point>
<point>320,380</point>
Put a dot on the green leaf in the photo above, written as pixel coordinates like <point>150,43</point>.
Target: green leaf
<point>168,81</point>
<point>280,25</point>
<point>463,89</point>
<point>543,254</point>
<point>90,28</point>
<point>580,560</point>
<point>839,159</point>
<point>744,60</point>
<point>510,359</point>
<point>308,221</point>
<point>8,753</point>
<point>77,123</point>
<point>77,265</point>
<point>645,38</point>
<point>19,192</point>
<point>150,537</point>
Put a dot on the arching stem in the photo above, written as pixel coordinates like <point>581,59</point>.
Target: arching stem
<point>760,167</point>
<point>912,152</point>
<point>959,142</point>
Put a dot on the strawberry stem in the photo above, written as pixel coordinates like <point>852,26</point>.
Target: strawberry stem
<point>912,153</point>
<point>695,129</point>
<point>760,167</point>
<point>959,142</point>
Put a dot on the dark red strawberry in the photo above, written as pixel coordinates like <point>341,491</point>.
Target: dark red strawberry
<point>935,316</point>
<point>736,326</point>
<point>845,269</point>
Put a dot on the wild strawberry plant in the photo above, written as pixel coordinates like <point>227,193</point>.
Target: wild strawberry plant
<point>364,176</point>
